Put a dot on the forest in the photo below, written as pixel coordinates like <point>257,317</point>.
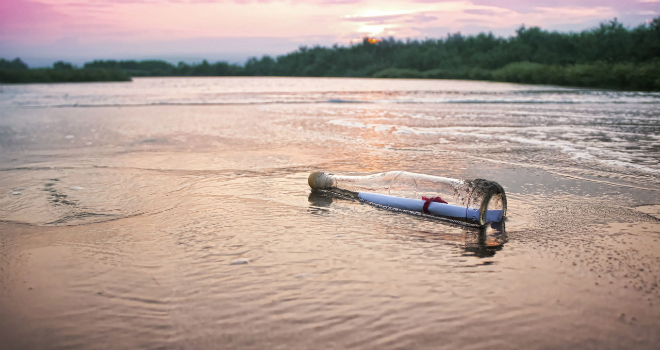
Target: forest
<point>608,56</point>
<point>16,71</point>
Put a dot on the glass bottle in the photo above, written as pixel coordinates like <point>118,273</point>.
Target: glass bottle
<point>483,201</point>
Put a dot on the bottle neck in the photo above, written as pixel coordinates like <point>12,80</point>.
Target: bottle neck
<point>378,183</point>
<point>321,181</point>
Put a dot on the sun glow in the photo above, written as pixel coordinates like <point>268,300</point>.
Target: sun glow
<point>373,30</point>
<point>379,14</point>
<point>174,27</point>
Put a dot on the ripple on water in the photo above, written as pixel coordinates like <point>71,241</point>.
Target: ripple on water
<point>137,222</point>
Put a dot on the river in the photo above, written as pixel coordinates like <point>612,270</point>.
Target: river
<point>175,213</point>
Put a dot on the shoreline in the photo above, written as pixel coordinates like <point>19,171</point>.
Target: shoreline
<point>519,73</point>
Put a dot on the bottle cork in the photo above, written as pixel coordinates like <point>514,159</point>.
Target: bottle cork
<point>319,180</point>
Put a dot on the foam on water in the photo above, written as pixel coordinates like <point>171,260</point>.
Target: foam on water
<point>568,140</point>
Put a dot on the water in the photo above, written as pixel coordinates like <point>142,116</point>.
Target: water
<point>175,213</point>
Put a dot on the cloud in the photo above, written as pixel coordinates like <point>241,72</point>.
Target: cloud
<point>527,6</point>
<point>193,2</point>
<point>421,18</point>
<point>20,19</point>
<point>232,49</point>
<point>20,12</point>
<point>374,19</point>
<point>480,12</point>
<point>41,22</point>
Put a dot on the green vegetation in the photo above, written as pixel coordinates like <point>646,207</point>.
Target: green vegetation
<point>622,76</point>
<point>608,56</point>
<point>18,72</point>
<point>154,68</point>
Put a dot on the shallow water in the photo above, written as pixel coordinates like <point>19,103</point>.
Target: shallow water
<point>175,213</point>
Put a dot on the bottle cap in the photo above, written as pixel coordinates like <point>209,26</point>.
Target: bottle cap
<point>319,180</point>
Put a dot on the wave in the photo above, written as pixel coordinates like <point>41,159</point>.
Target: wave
<point>340,101</point>
<point>575,148</point>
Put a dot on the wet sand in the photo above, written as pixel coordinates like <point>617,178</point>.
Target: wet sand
<point>192,226</point>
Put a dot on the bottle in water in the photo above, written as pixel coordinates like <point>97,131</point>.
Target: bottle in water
<point>476,201</point>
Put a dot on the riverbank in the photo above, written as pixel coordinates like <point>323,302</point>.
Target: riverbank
<point>621,76</point>
<point>51,75</point>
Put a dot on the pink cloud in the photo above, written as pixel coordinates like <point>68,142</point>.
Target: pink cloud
<point>525,6</point>
<point>20,12</point>
<point>21,20</point>
<point>481,12</point>
<point>374,19</point>
<point>43,22</point>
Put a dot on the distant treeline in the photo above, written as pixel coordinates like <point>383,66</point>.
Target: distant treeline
<point>156,68</point>
<point>17,71</point>
<point>608,56</point>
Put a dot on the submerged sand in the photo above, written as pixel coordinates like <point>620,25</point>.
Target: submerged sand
<point>191,225</point>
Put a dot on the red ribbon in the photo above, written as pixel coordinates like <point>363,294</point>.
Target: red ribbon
<point>429,200</point>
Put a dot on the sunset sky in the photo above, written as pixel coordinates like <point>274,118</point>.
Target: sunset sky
<point>42,31</point>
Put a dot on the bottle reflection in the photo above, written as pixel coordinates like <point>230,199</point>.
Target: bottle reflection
<point>320,199</point>
<point>486,241</point>
<point>482,242</point>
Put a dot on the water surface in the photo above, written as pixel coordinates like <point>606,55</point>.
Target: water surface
<point>175,213</point>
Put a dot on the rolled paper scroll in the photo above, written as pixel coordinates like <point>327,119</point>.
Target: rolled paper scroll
<point>441,209</point>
